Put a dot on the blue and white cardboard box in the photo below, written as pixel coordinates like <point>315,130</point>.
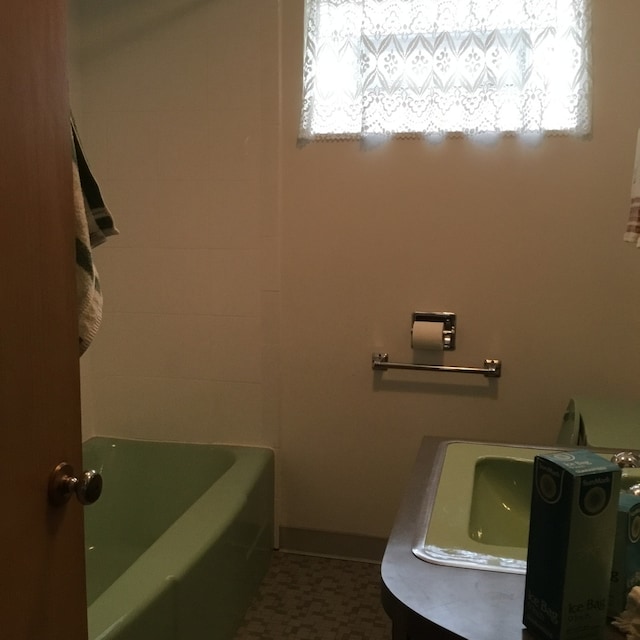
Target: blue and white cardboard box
<point>625,572</point>
<point>574,505</point>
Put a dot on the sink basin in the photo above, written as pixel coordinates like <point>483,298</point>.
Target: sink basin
<point>500,501</point>
<point>476,514</point>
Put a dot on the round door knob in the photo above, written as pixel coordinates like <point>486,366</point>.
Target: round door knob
<point>63,483</point>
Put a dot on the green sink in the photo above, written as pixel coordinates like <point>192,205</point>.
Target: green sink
<point>500,498</point>
<point>476,514</point>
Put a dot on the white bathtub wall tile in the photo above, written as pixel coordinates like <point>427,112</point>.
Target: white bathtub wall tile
<point>184,213</point>
<point>142,280</point>
<point>155,408</point>
<point>235,282</point>
<point>119,72</point>
<point>160,63</point>
<point>234,349</point>
<point>270,63</point>
<point>187,21</point>
<point>271,393</point>
<point>152,345</point>
<point>132,148</point>
<point>270,317</point>
<point>235,85</point>
<point>237,140</point>
<point>270,263</point>
<point>235,414</point>
<point>269,195</point>
<point>176,137</point>
<point>200,214</point>
<point>237,408</point>
<point>103,30</point>
<point>270,169</point>
<point>219,348</point>
<point>182,70</point>
<point>181,217</point>
<point>177,409</point>
<point>186,144</point>
<point>143,41</point>
<point>234,213</point>
<point>209,282</point>
<point>269,174</point>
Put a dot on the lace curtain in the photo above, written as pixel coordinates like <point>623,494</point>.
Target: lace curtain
<point>383,67</point>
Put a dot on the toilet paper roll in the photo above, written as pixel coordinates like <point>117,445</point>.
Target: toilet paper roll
<point>427,336</point>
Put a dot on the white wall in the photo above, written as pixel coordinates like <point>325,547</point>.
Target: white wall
<point>183,145</point>
<point>523,243</point>
<point>189,111</point>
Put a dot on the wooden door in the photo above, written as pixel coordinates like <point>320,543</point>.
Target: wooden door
<point>41,547</point>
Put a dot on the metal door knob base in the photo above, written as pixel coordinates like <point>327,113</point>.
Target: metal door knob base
<point>63,483</point>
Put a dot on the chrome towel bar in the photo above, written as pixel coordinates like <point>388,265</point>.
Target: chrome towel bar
<point>380,362</point>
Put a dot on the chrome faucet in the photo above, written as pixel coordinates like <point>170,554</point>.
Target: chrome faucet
<point>626,459</point>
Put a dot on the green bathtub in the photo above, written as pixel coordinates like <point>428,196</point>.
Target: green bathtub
<point>179,540</point>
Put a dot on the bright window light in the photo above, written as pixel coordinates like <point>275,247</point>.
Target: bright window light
<point>432,67</point>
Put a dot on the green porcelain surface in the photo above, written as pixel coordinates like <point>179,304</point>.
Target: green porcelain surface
<point>478,515</point>
<point>180,539</point>
<point>499,512</point>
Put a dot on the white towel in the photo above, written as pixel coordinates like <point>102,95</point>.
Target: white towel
<point>632,234</point>
<point>93,225</point>
<point>628,622</point>
<point>88,293</point>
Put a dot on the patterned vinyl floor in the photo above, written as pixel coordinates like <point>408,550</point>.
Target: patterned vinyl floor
<point>310,598</point>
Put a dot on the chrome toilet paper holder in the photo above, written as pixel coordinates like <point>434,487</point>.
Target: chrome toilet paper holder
<point>492,368</point>
<point>448,321</point>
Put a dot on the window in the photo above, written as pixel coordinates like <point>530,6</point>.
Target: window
<point>407,67</point>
